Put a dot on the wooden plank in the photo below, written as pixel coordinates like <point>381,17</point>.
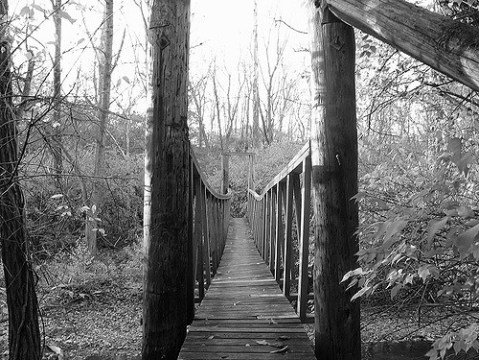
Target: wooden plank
<point>238,311</point>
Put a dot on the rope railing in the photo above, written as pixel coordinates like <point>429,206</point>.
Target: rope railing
<point>282,209</point>
<point>209,218</point>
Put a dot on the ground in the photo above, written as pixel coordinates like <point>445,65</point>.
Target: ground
<point>92,310</point>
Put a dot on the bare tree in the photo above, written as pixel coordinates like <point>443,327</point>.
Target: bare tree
<point>105,68</point>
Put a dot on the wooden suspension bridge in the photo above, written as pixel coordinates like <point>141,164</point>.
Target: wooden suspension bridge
<point>249,272</point>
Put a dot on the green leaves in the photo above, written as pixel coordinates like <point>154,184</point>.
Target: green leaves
<point>465,241</point>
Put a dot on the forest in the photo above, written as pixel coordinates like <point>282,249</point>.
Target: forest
<point>75,83</point>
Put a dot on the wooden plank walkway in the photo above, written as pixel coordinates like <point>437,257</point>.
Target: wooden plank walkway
<point>244,314</point>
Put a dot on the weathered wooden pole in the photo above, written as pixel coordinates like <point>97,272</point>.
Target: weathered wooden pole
<point>225,167</point>
<point>166,248</point>
<point>335,181</point>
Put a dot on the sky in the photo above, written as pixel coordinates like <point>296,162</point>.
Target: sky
<point>221,32</point>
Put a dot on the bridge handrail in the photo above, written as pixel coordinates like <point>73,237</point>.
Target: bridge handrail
<point>270,215</point>
<point>209,217</point>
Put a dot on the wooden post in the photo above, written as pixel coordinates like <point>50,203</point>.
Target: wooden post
<point>199,230</point>
<point>288,238</point>
<point>166,258</point>
<point>303,227</point>
<point>225,169</point>
<point>279,232</point>
<point>337,330</point>
<point>251,172</point>
<point>206,235</point>
<point>272,233</point>
<point>190,275</point>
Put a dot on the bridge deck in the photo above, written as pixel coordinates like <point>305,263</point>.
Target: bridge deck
<point>244,314</point>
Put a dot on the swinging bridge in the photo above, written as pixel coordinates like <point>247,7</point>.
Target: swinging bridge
<point>244,273</point>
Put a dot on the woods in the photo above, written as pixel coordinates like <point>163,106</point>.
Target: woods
<point>108,233</point>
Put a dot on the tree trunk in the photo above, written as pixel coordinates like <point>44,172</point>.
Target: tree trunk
<point>104,88</point>
<point>337,331</point>
<point>218,111</point>
<point>166,260</point>
<point>446,45</point>
<point>256,104</point>
<point>23,331</point>
<point>57,87</point>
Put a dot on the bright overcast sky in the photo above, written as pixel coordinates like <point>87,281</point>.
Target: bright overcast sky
<point>221,31</point>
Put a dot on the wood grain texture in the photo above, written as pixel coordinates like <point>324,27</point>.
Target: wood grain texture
<point>446,45</point>
<point>244,315</point>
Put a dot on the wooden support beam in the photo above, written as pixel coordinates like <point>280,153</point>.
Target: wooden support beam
<point>279,232</point>
<point>199,231</point>
<point>303,227</point>
<point>272,232</point>
<point>288,242</point>
<point>225,169</point>
<point>191,273</point>
<point>337,326</point>
<point>206,235</point>
<point>165,247</point>
<point>446,45</point>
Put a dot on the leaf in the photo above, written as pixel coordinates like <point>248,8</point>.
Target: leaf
<point>395,290</point>
<point>434,227</point>
<point>351,273</point>
<point>262,342</point>
<point>26,11</point>
<point>126,79</point>
<point>392,229</point>
<point>465,241</point>
<point>454,146</point>
<point>56,350</point>
<point>464,161</point>
<point>465,211</point>
<point>361,292</point>
<point>67,16</point>
<point>38,7</point>
<point>423,272</point>
<point>280,351</point>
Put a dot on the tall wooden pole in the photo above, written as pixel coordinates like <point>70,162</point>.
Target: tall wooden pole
<point>225,167</point>
<point>166,249</point>
<point>337,331</point>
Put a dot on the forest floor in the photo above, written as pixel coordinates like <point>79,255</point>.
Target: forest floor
<point>93,310</point>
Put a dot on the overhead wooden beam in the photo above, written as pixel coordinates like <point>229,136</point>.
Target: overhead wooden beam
<point>446,45</point>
